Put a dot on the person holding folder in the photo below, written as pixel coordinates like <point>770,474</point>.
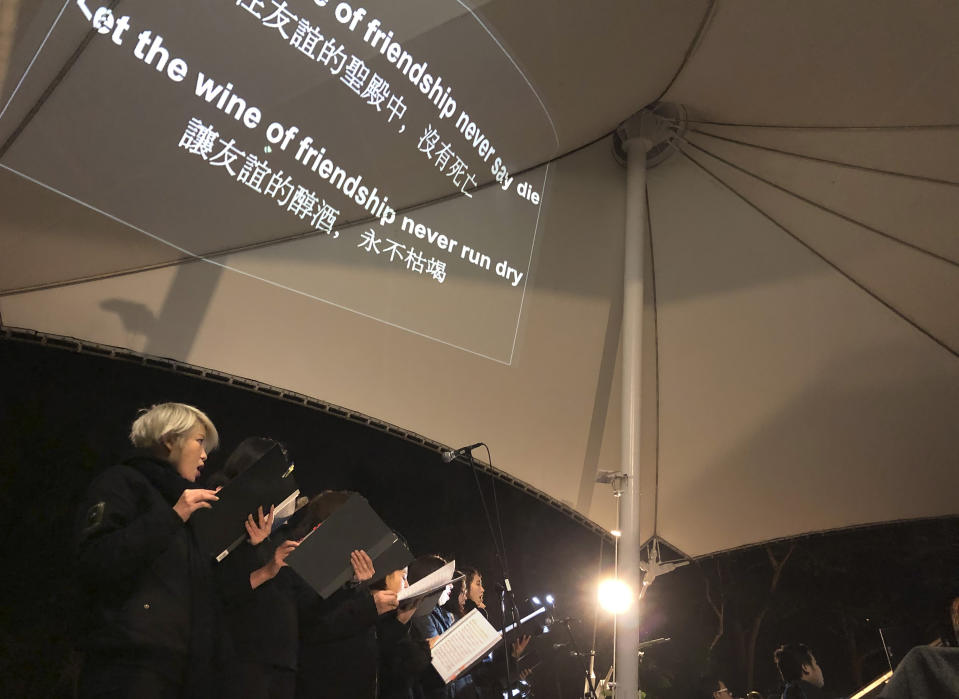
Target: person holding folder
<point>267,617</point>
<point>402,656</point>
<point>154,627</point>
<point>429,628</point>
<point>329,628</point>
<point>489,675</point>
<point>261,615</point>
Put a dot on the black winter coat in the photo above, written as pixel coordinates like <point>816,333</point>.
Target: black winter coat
<point>150,589</point>
<point>335,645</point>
<point>800,689</point>
<point>263,623</point>
<point>402,658</point>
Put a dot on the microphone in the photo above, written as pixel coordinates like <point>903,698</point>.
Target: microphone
<point>560,620</point>
<point>448,454</point>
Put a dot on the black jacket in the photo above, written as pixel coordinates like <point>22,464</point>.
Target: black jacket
<point>263,623</point>
<point>402,658</point>
<point>284,619</point>
<point>337,656</point>
<point>801,689</point>
<point>150,589</point>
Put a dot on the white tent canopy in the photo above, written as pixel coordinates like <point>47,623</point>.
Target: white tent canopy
<point>801,367</point>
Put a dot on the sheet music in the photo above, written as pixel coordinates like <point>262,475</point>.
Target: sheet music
<point>285,510</point>
<point>437,579</point>
<point>468,640</point>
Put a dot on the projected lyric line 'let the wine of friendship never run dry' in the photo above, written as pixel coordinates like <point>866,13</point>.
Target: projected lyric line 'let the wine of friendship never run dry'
<point>314,121</point>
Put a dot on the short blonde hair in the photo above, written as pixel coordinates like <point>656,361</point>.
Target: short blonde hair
<point>170,419</point>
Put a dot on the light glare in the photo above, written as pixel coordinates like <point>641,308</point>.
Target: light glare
<point>615,596</point>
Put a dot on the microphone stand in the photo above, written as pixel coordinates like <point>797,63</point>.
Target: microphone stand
<point>507,600</point>
<point>591,687</point>
<point>506,644</point>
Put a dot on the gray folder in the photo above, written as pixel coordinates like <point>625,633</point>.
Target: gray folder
<point>323,557</point>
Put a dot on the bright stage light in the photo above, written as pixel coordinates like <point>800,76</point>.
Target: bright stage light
<point>549,599</point>
<point>535,600</point>
<point>615,596</point>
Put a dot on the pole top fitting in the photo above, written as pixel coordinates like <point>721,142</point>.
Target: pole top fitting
<point>654,129</point>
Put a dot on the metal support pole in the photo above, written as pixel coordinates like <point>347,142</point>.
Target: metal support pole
<point>627,650</point>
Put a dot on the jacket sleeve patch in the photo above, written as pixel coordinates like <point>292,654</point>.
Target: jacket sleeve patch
<point>94,517</point>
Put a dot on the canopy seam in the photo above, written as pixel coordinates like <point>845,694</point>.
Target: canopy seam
<point>823,207</point>
<point>875,296</point>
<point>812,127</point>
<point>691,49</point>
<point>818,159</point>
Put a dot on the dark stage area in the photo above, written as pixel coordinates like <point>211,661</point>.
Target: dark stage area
<point>65,417</point>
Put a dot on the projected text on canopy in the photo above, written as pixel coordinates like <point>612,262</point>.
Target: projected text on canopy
<point>373,149</point>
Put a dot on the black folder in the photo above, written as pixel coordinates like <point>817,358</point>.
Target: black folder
<point>267,482</point>
<point>323,557</point>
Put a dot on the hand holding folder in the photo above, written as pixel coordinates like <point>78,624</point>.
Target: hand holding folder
<point>323,557</point>
<point>427,591</point>
<point>269,481</point>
